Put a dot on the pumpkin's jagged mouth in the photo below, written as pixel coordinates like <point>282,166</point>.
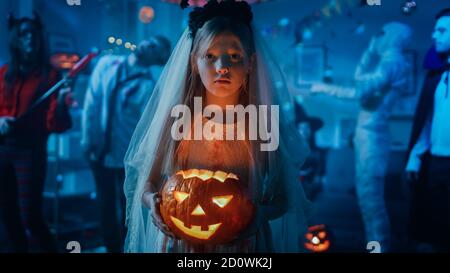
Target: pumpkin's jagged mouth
<point>196,231</point>
<point>207,174</point>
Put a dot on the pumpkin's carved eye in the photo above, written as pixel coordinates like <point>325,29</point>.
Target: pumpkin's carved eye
<point>180,196</point>
<point>222,201</point>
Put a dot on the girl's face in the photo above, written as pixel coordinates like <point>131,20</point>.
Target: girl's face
<point>223,66</point>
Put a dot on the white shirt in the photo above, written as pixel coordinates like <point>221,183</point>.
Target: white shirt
<point>435,135</point>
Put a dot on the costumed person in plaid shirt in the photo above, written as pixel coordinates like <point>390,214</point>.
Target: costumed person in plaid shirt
<point>24,133</point>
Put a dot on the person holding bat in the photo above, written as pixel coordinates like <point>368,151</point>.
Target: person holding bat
<point>24,130</point>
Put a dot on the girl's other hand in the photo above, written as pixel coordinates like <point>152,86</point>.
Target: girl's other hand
<point>152,201</point>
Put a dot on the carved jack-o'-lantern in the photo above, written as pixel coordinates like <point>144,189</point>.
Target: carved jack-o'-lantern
<point>64,61</point>
<point>317,239</point>
<point>205,207</point>
<point>146,14</point>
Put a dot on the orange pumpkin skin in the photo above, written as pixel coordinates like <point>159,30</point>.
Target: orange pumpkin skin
<point>64,60</point>
<point>205,210</point>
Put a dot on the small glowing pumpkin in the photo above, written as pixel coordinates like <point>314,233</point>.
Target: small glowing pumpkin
<point>317,239</point>
<point>64,61</point>
<point>146,14</point>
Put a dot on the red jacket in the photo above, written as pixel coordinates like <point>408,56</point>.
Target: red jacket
<point>16,101</point>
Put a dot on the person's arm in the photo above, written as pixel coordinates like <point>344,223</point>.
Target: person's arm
<point>6,117</point>
<point>337,91</point>
<point>372,83</point>
<point>368,79</point>
<point>422,145</point>
<point>148,193</point>
<point>91,115</point>
<point>366,61</point>
<point>58,117</point>
<point>151,199</point>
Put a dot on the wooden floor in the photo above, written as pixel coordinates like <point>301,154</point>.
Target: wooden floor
<point>338,209</point>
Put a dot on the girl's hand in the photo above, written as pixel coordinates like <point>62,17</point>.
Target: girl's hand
<point>152,201</point>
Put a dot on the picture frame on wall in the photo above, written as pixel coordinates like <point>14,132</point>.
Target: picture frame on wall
<point>310,64</point>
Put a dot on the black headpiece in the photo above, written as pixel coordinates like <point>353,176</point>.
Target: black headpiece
<point>236,10</point>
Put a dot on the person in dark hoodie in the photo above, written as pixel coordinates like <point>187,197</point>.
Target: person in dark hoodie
<point>428,166</point>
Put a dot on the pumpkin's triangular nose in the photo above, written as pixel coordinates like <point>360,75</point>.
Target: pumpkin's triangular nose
<point>198,210</point>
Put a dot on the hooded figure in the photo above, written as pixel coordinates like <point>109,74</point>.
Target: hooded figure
<point>379,87</point>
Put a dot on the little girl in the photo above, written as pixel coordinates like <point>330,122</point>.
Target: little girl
<point>220,60</point>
